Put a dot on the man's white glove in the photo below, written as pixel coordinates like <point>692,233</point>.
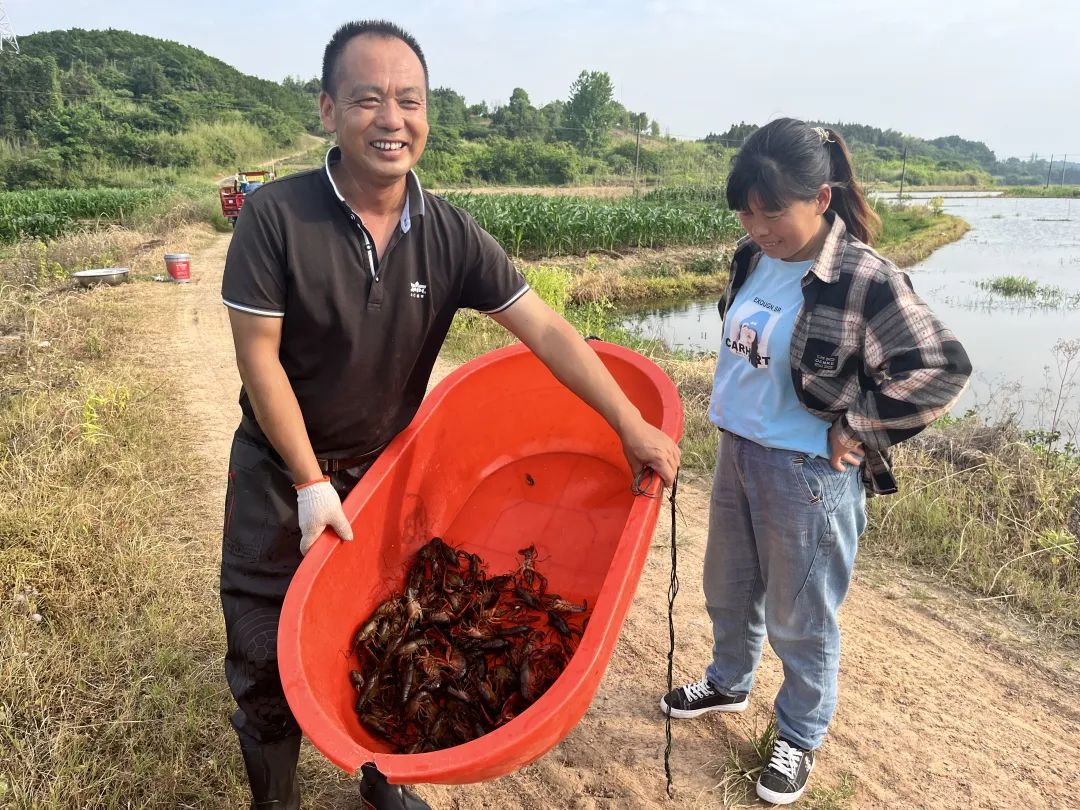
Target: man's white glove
<point>319,506</point>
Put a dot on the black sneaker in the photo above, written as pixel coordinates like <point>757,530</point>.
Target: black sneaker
<point>784,778</point>
<point>696,699</point>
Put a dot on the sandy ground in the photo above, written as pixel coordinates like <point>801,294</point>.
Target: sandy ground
<point>944,702</point>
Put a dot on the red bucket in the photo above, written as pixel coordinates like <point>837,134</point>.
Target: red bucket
<point>179,266</point>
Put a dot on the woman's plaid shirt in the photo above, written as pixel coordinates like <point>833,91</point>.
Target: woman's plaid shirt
<point>866,351</point>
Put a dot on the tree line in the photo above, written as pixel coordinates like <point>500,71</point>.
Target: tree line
<point>85,108</point>
<point>950,160</point>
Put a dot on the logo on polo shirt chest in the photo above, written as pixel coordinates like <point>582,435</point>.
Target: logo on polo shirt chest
<point>417,290</point>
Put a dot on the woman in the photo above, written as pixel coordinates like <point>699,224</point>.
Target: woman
<point>849,361</point>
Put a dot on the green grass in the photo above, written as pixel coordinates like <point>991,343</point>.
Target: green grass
<point>910,233</point>
<point>986,507</point>
<point>1011,286</point>
<point>110,615</point>
<point>1029,290</point>
<point>747,757</point>
<point>1039,191</point>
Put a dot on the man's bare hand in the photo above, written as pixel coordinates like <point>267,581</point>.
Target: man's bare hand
<point>647,446</point>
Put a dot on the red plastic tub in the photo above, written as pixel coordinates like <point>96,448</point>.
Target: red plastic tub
<point>500,456</point>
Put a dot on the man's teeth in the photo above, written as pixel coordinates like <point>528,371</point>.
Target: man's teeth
<point>388,146</point>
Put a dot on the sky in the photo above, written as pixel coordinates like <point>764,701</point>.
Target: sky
<point>999,71</point>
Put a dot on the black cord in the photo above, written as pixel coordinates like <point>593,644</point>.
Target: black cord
<point>643,483</point>
<point>673,589</point>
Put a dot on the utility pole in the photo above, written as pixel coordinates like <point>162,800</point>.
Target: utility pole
<point>1048,170</point>
<point>903,174</point>
<point>1064,165</point>
<point>7,33</point>
<point>637,150</point>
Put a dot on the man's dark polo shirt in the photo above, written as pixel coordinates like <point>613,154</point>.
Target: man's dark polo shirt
<point>359,335</point>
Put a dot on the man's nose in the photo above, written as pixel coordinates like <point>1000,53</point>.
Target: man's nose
<point>389,117</point>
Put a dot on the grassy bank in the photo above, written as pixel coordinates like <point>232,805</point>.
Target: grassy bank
<point>1040,191</point>
<point>109,612</point>
<point>911,233</point>
<point>1052,191</point>
<point>982,506</point>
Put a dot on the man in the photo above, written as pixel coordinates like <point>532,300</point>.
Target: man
<point>341,285</point>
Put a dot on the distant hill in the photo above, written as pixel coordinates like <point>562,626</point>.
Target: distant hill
<point>952,147</point>
<point>74,99</point>
<point>949,160</point>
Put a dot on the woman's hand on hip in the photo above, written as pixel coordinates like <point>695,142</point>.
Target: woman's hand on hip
<point>843,452</point>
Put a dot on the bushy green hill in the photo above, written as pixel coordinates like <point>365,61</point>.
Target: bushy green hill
<point>81,106</point>
<point>946,161</point>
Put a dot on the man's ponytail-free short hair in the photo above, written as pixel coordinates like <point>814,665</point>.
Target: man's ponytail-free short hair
<point>348,32</point>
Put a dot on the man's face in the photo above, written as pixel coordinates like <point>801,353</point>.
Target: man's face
<point>379,108</point>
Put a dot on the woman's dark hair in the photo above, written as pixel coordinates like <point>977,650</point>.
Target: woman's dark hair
<point>788,160</point>
<point>349,31</point>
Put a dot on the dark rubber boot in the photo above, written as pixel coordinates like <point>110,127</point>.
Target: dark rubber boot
<point>271,770</point>
<point>378,794</point>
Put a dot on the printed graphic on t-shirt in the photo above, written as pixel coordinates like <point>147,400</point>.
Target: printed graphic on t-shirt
<point>751,325</point>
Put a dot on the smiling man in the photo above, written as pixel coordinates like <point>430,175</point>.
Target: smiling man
<point>341,285</point>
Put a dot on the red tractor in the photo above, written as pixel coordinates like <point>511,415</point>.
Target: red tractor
<point>232,193</point>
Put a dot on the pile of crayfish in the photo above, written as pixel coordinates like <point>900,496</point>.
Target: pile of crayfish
<point>460,653</point>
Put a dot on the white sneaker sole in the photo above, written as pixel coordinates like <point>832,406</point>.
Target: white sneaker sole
<point>690,714</point>
<point>778,798</point>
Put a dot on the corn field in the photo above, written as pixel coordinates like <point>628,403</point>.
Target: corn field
<point>714,195</point>
<point>49,213</point>
<point>536,225</point>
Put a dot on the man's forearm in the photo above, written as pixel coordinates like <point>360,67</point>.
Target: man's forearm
<point>280,418</point>
<point>577,366</point>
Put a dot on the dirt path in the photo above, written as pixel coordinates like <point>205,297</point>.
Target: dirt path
<point>307,139</point>
<point>943,703</point>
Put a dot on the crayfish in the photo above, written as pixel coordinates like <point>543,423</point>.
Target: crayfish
<point>459,653</point>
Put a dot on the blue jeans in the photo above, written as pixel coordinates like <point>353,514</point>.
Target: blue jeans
<point>783,531</point>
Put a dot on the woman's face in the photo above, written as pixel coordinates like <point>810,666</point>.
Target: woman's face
<point>791,234</point>
<point>747,335</point>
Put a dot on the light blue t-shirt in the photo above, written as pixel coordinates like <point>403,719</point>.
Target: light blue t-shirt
<point>753,395</point>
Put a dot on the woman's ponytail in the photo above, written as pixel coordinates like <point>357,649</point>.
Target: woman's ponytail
<point>848,199</point>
